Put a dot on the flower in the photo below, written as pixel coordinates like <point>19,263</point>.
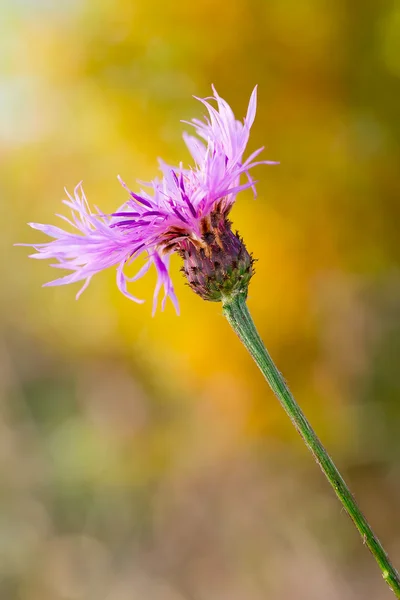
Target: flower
<point>176,214</point>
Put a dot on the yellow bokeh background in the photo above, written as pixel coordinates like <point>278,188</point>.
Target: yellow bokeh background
<point>145,458</point>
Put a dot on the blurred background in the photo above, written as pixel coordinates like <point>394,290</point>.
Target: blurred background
<point>145,458</point>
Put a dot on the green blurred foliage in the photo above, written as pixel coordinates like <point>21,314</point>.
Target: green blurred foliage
<point>145,457</point>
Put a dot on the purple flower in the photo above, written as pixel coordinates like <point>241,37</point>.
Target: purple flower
<point>167,218</point>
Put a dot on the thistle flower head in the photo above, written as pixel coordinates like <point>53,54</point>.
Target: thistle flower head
<point>183,211</point>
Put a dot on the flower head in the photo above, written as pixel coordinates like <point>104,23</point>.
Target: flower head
<point>177,213</point>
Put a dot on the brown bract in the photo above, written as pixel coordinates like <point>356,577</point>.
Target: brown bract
<point>218,265</point>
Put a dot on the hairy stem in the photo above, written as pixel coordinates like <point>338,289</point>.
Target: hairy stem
<point>237,313</point>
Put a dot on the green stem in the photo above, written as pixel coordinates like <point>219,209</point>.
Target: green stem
<point>237,313</point>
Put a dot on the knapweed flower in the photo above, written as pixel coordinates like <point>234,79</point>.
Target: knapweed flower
<point>183,211</point>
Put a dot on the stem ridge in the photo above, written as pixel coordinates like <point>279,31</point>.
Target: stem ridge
<point>236,311</point>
